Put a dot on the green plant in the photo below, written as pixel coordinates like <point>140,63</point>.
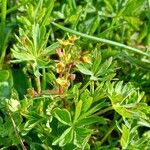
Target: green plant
<point>74,75</point>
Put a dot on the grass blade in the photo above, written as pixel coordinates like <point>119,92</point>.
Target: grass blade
<point>101,40</point>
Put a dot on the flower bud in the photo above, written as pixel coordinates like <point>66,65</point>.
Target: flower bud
<point>60,67</point>
<point>59,52</point>
<point>85,59</point>
<point>72,77</point>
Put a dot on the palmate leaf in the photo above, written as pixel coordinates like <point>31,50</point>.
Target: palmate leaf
<point>126,100</point>
<point>33,48</point>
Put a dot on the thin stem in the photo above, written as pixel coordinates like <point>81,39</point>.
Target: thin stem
<point>3,24</point>
<point>43,79</point>
<point>16,131</point>
<point>148,3</point>
<point>3,16</point>
<point>104,110</point>
<point>101,40</point>
<point>85,86</point>
<point>10,10</point>
<point>92,87</point>
<point>38,84</point>
<point>109,132</point>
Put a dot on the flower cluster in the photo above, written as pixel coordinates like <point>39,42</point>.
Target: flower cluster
<point>69,55</point>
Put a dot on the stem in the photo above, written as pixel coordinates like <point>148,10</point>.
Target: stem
<point>85,86</point>
<point>38,84</point>
<point>3,16</point>
<point>43,79</point>
<point>16,131</point>
<point>3,24</point>
<point>10,10</point>
<point>104,110</point>
<point>92,87</point>
<point>101,40</point>
<point>148,3</point>
<point>109,132</point>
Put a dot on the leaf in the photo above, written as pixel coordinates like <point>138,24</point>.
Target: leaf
<point>145,123</point>
<point>4,75</point>
<point>87,104</point>
<point>104,67</point>
<point>63,115</point>
<point>21,82</point>
<point>96,60</point>
<point>78,110</point>
<point>81,137</point>
<point>81,67</point>
<point>33,120</point>
<point>35,35</point>
<point>65,138</point>
<point>95,109</point>
<point>94,25</point>
<point>125,137</point>
<point>36,146</point>
<point>13,104</point>
<point>118,87</point>
<point>5,89</point>
<point>51,49</point>
<point>91,120</point>
<point>132,7</point>
<point>49,10</point>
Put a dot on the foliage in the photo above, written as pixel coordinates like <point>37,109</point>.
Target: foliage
<point>74,74</point>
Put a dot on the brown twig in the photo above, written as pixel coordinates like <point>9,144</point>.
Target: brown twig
<point>17,132</point>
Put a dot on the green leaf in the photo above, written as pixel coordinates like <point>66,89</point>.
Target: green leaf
<point>65,138</point>
<point>33,120</point>
<point>36,146</point>
<point>81,137</point>
<point>94,109</point>
<point>78,110</point>
<point>104,67</point>
<point>13,104</point>
<point>94,25</point>
<point>4,75</point>
<point>49,10</point>
<point>5,89</point>
<point>51,49</point>
<point>87,104</point>
<point>35,34</point>
<point>125,137</point>
<point>91,120</point>
<point>63,115</point>
<point>82,68</point>
<point>96,60</point>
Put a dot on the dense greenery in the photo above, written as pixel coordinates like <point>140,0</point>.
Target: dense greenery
<point>75,74</point>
